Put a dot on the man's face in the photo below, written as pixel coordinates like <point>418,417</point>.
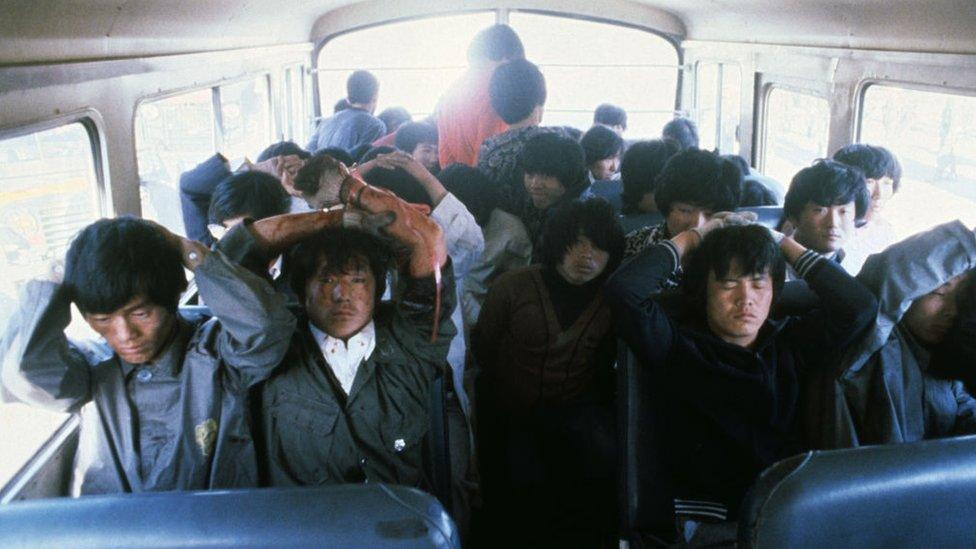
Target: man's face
<point>604,169</point>
<point>684,216</point>
<point>738,304</point>
<point>880,191</point>
<point>582,262</point>
<point>824,229</point>
<point>930,316</point>
<point>544,190</point>
<point>426,154</point>
<point>341,303</point>
<point>136,331</point>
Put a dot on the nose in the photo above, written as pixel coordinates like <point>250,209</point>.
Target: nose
<point>834,218</point>
<point>701,219</point>
<point>124,330</point>
<point>340,292</point>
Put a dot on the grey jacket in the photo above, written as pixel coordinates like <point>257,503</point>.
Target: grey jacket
<point>177,423</point>
<point>883,391</point>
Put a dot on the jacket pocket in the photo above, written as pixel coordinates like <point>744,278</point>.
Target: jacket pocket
<point>301,436</point>
<point>403,443</point>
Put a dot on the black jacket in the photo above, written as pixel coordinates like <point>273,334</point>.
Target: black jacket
<point>728,411</point>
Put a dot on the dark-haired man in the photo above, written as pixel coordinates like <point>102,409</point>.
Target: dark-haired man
<point>602,148</point>
<point>682,130</point>
<point>639,169</point>
<point>727,379</point>
<point>823,204</point>
<point>612,117</point>
<point>356,125</point>
<point>419,140</point>
<point>161,399</point>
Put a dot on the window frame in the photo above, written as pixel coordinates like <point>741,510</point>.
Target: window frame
<point>723,65</point>
<point>864,85</point>
<point>763,134</point>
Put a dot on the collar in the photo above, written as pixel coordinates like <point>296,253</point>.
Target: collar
<point>363,339</point>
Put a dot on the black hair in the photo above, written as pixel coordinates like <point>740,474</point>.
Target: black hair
<point>341,105</point>
<point>398,181</point>
<point>340,248</point>
<point>875,162</point>
<point>516,89</point>
<point>473,188</point>
<point>594,219</point>
<point>412,134</point>
<point>394,117</point>
<point>600,142</point>
<point>755,193</point>
<point>553,155</point>
<point>750,246</point>
<point>362,87</point>
<point>307,178</point>
<point>339,154</point>
<point>495,43</point>
<point>683,131</point>
<point>573,133</point>
<point>827,183</point>
<point>739,163</point>
<point>699,178</point>
<point>283,148</point>
<point>611,115</point>
<point>640,167</point>
<point>112,261</point>
<point>253,194</point>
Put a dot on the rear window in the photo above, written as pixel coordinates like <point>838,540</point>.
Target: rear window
<point>796,127</point>
<point>933,134</point>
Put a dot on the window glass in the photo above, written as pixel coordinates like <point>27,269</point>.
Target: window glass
<point>796,132</point>
<point>245,116</point>
<point>295,97</point>
<point>934,137</point>
<point>588,63</point>
<point>412,73</point>
<point>172,135</point>
<point>706,101</point>
<point>48,192</point>
<point>731,108</point>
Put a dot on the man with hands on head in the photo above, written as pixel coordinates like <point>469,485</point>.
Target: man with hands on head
<point>161,399</point>
<point>726,377</point>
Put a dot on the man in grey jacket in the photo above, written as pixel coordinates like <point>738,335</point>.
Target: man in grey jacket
<point>161,398</point>
<point>886,390</point>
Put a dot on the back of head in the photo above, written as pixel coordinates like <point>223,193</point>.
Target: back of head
<point>473,188</point>
<point>338,154</point>
<point>594,219</point>
<point>516,89</point>
<point>699,178</point>
<point>249,194</point>
<point>739,163</point>
<point>553,155</point>
<point>340,249</point>
<point>398,181</point>
<point>875,162</point>
<point>412,134</point>
<point>394,117</point>
<point>362,88</point>
<point>112,261</point>
<point>827,183</point>
<point>683,131</point>
<point>283,148</point>
<point>495,43</point>
<point>610,115</point>
<point>755,193</point>
<point>750,248</point>
<point>307,179</point>
<point>600,142</point>
<point>893,167</point>
<point>640,167</point>
<point>341,105</point>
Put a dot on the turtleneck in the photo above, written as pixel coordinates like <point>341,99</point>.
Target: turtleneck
<point>569,300</point>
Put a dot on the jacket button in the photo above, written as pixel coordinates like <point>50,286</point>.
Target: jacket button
<point>144,375</point>
<point>362,462</point>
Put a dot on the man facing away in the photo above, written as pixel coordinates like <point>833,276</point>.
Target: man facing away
<point>354,126</point>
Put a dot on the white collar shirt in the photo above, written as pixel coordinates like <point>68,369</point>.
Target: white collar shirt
<point>345,357</point>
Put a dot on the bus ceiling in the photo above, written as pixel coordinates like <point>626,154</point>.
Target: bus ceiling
<point>62,30</point>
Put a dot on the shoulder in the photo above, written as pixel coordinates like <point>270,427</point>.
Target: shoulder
<point>517,278</point>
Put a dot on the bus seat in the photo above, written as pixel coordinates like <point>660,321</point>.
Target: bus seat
<point>769,216</point>
<point>360,515</point>
<point>901,495</point>
<point>632,222</point>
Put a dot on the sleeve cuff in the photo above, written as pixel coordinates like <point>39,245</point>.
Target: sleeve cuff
<point>673,250</point>
<point>805,263</point>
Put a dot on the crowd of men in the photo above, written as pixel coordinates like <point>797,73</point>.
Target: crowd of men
<point>509,259</point>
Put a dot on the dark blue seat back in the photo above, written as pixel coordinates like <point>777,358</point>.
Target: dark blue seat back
<point>904,495</point>
<point>361,515</point>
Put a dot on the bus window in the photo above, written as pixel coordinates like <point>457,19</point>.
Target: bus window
<point>934,137</point>
<point>48,192</point>
<point>795,132</point>
<point>172,135</point>
<point>245,118</point>
<point>296,119</point>
<point>706,104</point>
<point>412,73</point>
<point>588,63</point>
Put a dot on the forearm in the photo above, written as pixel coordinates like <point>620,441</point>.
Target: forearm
<point>274,235</point>
<point>847,307</point>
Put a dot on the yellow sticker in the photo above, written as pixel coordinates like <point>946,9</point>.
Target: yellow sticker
<point>206,436</point>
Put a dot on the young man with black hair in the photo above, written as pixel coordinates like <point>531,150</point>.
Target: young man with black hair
<point>823,205</point>
<point>162,399</point>
<point>356,125</point>
<point>544,347</point>
<point>251,194</point>
<point>602,147</point>
<point>693,186</point>
<point>882,175</point>
<point>639,168</point>
<point>757,189</point>
<point>682,130</point>
<point>419,140</point>
<point>612,117</point>
<point>727,379</point>
<point>464,114</point>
